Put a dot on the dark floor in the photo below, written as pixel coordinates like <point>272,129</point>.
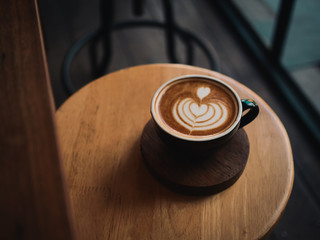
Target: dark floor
<point>65,21</point>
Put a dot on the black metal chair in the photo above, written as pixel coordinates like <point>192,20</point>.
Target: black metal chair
<point>107,26</point>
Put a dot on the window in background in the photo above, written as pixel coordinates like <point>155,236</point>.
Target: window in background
<point>301,51</point>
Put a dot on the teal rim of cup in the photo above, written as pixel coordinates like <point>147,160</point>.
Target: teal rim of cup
<point>204,139</point>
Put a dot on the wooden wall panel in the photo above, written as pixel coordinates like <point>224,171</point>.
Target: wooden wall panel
<point>32,194</point>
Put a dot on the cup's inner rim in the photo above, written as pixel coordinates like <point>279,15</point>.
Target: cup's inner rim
<point>159,92</point>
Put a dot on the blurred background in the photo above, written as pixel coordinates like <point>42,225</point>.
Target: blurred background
<point>271,46</point>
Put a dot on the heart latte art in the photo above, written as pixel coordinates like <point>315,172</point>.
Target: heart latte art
<point>196,107</point>
<point>198,117</point>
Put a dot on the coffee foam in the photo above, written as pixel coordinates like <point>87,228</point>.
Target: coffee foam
<point>196,108</point>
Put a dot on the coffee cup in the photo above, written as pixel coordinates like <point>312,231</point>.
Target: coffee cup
<point>197,112</point>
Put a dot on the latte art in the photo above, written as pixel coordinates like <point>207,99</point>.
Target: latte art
<point>195,108</point>
<point>199,117</point>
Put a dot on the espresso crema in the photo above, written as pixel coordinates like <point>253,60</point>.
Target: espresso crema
<point>196,108</point>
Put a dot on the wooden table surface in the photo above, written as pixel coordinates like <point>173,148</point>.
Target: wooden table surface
<point>112,194</point>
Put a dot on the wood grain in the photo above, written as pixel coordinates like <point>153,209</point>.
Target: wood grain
<point>33,204</point>
<point>114,197</point>
<point>192,172</point>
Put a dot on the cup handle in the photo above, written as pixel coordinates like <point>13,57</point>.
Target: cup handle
<point>251,114</point>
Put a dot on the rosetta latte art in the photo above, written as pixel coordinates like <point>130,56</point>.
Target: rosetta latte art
<point>197,116</point>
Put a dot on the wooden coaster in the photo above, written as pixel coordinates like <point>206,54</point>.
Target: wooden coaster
<point>196,175</point>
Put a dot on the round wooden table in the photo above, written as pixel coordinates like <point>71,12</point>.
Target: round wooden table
<point>112,194</point>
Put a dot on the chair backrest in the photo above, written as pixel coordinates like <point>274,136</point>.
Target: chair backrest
<point>33,202</point>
